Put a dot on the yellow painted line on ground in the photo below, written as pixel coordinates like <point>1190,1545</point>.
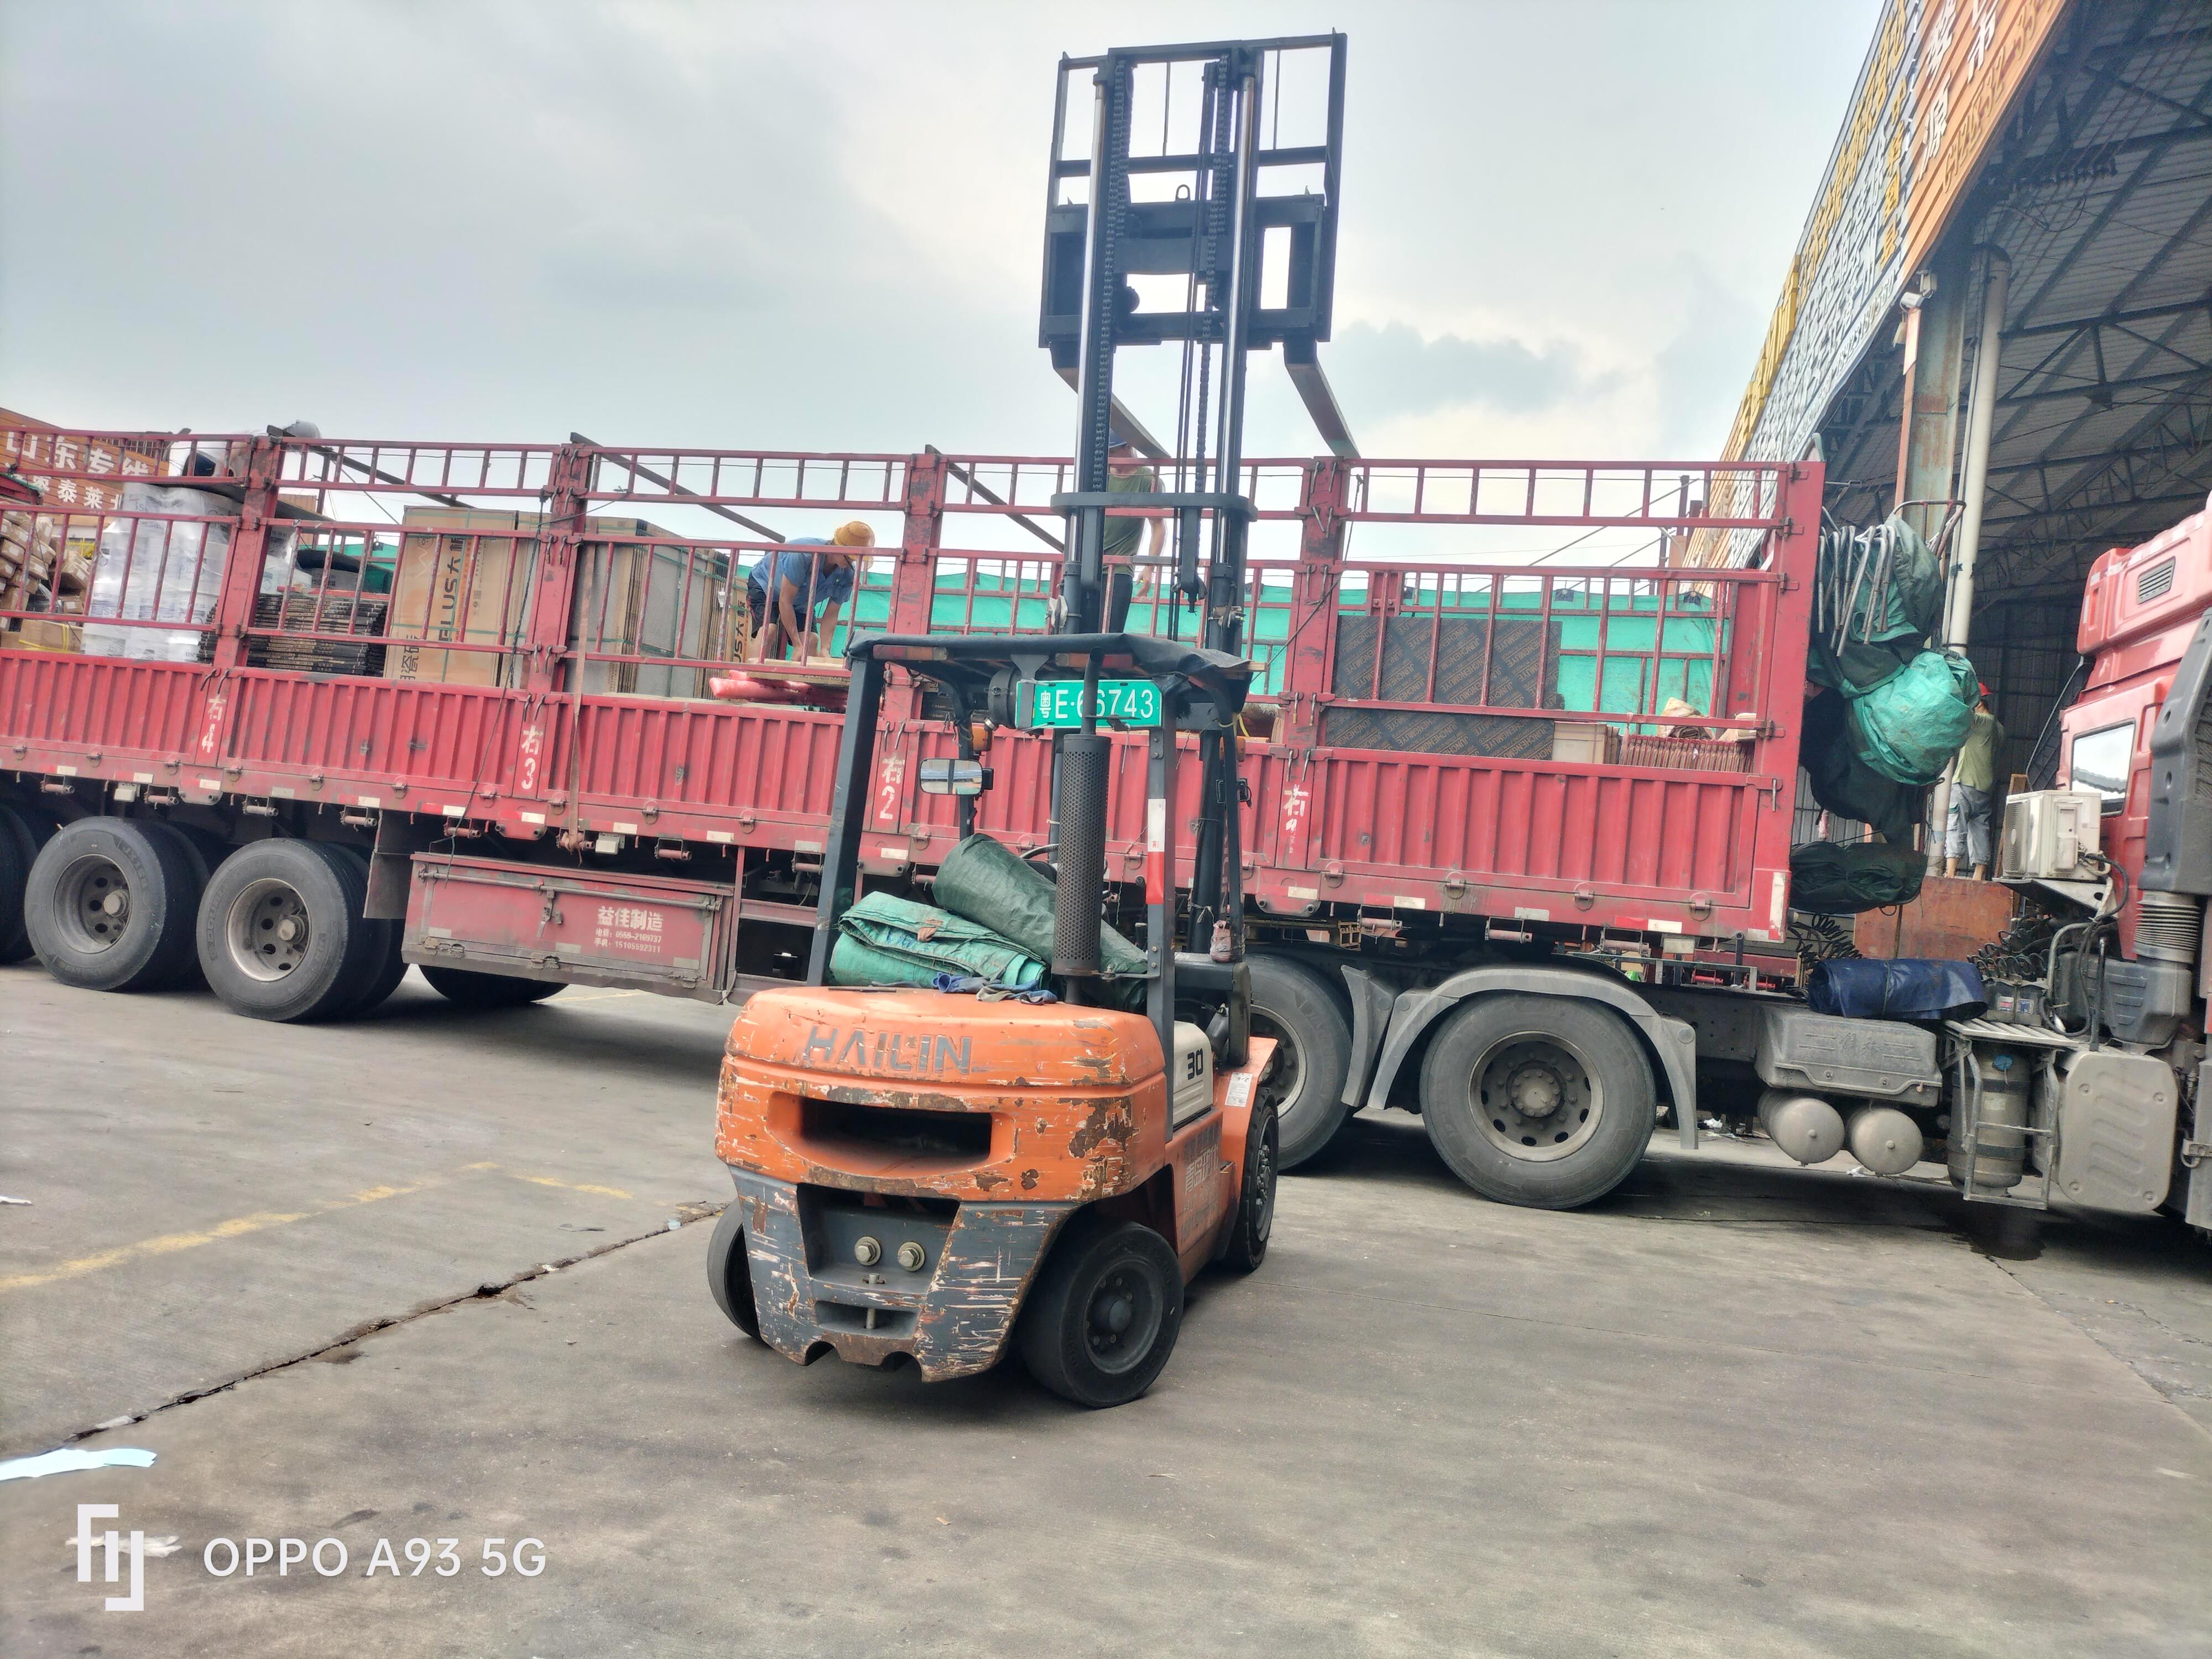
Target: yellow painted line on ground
<point>570,1186</point>
<point>239,1227</point>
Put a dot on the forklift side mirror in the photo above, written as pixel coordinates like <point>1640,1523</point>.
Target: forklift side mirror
<point>954,777</point>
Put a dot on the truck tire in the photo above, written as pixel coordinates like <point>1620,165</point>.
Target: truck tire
<point>30,831</point>
<point>1246,1247</point>
<point>281,932</point>
<point>1292,1004</point>
<point>203,851</point>
<point>474,990</point>
<point>26,831</point>
<point>1102,1316</point>
<point>384,967</point>
<point>384,978</point>
<point>730,1276</point>
<point>1543,1101</point>
<point>109,903</point>
<point>15,860</point>
<point>206,849</point>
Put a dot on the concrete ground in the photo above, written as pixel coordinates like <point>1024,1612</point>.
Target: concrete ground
<point>415,1278</point>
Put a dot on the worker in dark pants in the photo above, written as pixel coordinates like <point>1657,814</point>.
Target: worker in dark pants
<point>1970,831</point>
<point>1127,475</point>
<point>794,594</point>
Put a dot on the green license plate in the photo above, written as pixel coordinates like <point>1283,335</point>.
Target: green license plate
<point>1059,702</point>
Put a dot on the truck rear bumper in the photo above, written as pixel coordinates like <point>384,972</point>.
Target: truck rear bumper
<point>952,1315</point>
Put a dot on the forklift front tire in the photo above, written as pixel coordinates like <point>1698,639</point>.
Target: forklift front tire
<point>1103,1319</point>
<point>730,1276</point>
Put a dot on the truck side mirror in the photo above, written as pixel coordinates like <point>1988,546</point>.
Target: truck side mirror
<point>955,777</point>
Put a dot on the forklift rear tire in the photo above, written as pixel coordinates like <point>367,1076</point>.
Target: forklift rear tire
<point>282,935</point>
<point>1103,1317</point>
<point>109,905</point>
<point>730,1276</point>
<point>474,990</point>
<point>1543,1101</point>
<point>1291,1003</point>
<point>1256,1197</point>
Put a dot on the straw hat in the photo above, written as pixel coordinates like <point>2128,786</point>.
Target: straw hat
<point>853,533</point>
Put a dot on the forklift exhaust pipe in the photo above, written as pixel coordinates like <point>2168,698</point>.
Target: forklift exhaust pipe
<point>1076,899</point>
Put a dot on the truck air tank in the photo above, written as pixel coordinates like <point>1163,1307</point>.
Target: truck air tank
<point>1804,1126</point>
<point>1883,1139</point>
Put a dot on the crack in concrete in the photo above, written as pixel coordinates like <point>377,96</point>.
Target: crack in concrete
<point>331,1352</point>
<point>2133,1370</point>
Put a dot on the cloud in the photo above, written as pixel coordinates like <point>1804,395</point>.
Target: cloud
<point>1393,370</point>
<point>1702,370</point>
<point>818,226</point>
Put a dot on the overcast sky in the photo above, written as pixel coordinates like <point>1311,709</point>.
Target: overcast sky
<point>818,226</point>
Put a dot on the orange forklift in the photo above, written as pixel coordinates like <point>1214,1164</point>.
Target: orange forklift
<point>921,1173</point>
<point>926,1177</point>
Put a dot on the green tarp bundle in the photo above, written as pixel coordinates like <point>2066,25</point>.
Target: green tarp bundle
<point>1845,784</point>
<point>1835,878</point>
<point>982,880</point>
<point>886,940</point>
<point>1908,727</point>
<point>1878,594</point>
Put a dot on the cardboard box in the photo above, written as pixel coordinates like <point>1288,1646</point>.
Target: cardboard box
<point>30,634</point>
<point>1586,743</point>
<point>466,576</point>
<point>638,601</point>
<point>470,585</point>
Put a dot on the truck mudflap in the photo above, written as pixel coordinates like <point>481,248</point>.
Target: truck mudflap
<point>1412,1013</point>
<point>951,1314</point>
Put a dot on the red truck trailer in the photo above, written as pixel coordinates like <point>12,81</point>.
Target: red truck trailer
<point>348,706</point>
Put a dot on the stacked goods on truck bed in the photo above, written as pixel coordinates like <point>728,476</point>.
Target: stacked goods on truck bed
<point>637,594</point>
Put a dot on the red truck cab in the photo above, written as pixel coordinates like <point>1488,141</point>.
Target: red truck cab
<point>2142,607</point>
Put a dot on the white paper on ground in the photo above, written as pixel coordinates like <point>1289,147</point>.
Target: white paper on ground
<point>69,1458</point>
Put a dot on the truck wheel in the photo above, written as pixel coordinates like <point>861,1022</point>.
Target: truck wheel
<point>1102,1316</point>
<point>475,990</point>
<point>109,904</point>
<point>730,1276</point>
<point>1292,1004</point>
<point>15,860</point>
<point>1255,1197</point>
<point>281,932</point>
<point>206,849</point>
<point>385,977</point>
<point>386,967</point>
<point>1543,1101</point>
<point>24,832</point>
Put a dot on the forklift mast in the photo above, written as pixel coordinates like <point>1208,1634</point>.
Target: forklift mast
<point>1193,202</point>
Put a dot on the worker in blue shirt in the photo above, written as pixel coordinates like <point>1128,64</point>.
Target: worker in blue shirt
<point>800,589</point>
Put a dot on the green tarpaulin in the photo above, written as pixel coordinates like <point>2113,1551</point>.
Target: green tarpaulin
<point>982,880</point>
<point>886,940</point>
<point>1841,880</point>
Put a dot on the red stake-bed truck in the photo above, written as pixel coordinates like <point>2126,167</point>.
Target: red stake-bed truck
<point>383,703</point>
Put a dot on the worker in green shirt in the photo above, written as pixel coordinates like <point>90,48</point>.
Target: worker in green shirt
<point>1126,474</point>
<point>1969,832</point>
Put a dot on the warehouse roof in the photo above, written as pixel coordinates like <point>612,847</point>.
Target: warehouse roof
<point>2099,189</point>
